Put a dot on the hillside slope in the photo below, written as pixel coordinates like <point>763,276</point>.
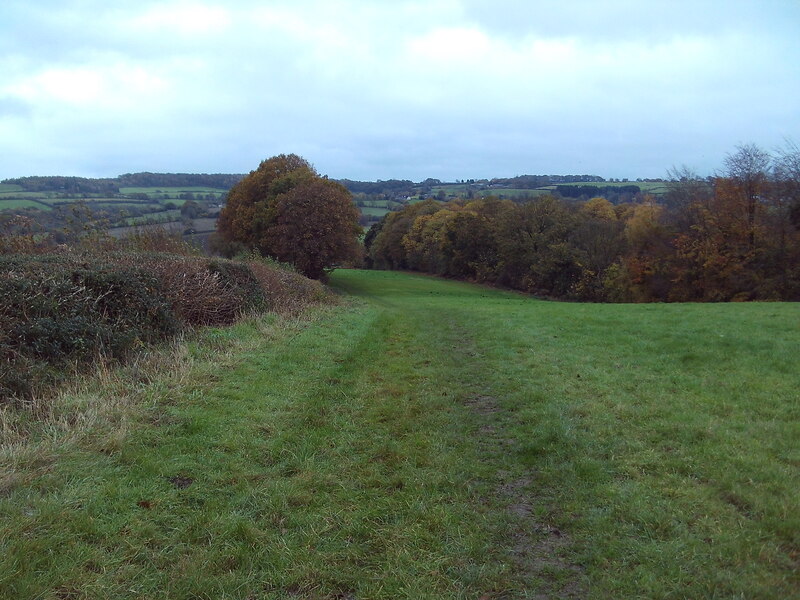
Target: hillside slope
<point>433,439</point>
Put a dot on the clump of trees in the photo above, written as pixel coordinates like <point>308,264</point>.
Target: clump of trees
<point>286,210</point>
<point>735,236</point>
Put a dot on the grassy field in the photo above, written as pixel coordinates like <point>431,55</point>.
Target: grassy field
<point>14,204</point>
<point>43,196</point>
<point>171,191</point>
<point>164,216</point>
<point>373,211</point>
<point>512,193</point>
<point>377,203</point>
<point>127,204</point>
<point>11,196</point>
<point>425,439</point>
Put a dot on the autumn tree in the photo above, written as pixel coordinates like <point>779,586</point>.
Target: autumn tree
<point>471,239</point>
<point>424,243</point>
<point>534,253</point>
<point>385,238</point>
<point>714,257</point>
<point>782,222</point>
<point>642,274</point>
<point>598,237</point>
<point>747,168</point>
<point>286,210</point>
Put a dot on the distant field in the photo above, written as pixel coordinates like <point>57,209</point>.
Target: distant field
<point>171,190</point>
<point>124,204</point>
<point>200,226</point>
<point>512,193</point>
<point>374,211</point>
<point>164,216</point>
<point>47,196</point>
<point>453,189</point>
<point>120,232</point>
<point>16,204</point>
<point>654,187</point>
<point>377,203</point>
<point>12,197</point>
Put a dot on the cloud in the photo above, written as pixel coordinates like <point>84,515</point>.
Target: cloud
<point>183,18</point>
<point>401,89</point>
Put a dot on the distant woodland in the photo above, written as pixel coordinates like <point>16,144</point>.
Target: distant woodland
<point>112,186</point>
<point>735,236</point>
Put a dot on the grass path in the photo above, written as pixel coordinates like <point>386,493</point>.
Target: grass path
<point>432,439</point>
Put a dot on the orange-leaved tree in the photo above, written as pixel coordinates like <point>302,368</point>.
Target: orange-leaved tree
<point>286,210</point>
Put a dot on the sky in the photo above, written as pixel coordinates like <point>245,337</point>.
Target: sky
<point>405,89</point>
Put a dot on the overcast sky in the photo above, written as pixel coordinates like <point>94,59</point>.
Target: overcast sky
<point>407,89</point>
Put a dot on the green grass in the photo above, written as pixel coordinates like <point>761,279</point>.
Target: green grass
<point>16,204</point>
<point>9,187</point>
<point>43,196</point>
<point>654,187</point>
<point>429,439</point>
<point>163,216</point>
<point>454,189</point>
<point>664,438</point>
<point>373,211</point>
<point>512,193</point>
<point>126,204</point>
<point>172,191</point>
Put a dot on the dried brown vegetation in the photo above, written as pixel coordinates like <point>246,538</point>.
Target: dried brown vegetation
<point>63,309</point>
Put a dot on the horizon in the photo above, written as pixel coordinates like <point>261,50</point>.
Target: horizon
<point>416,182</point>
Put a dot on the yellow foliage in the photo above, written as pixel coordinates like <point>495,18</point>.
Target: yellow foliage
<point>600,209</point>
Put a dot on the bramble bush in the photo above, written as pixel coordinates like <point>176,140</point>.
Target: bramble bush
<point>67,309</point>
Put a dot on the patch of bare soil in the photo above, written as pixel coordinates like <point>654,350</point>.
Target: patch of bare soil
<point>181,482</point>
<point>538,549</point>
<point>483,405</point>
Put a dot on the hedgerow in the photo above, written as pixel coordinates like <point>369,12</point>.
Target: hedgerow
<point>63,311</point>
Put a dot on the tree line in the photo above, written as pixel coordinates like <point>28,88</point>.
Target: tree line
<point>87,185</point>
<point>577,191</point>
<point>735,236</point>
<point>531,182</point>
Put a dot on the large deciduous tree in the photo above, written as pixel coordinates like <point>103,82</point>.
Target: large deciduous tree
<point>747,168</point>
<point>286,210</point>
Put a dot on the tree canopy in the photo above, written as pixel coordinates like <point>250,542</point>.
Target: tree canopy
<point>732,237</point>
<point>286,210</point>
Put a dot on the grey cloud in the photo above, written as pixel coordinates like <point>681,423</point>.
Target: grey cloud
<point>405,89</point>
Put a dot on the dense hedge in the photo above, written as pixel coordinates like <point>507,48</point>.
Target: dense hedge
<point>62,312</point>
